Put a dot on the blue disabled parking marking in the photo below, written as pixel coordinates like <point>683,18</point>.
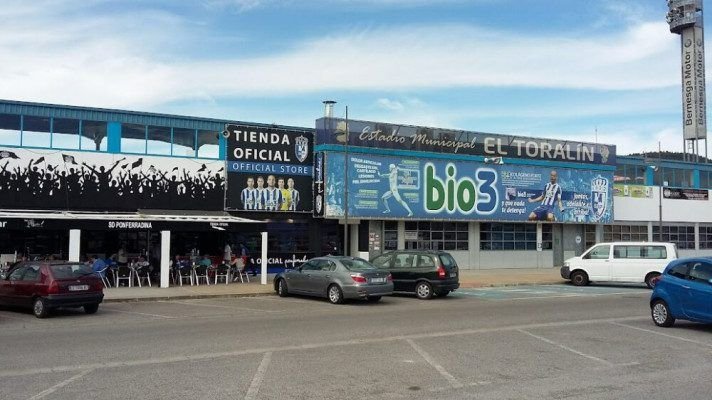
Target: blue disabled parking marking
<point>544,291</point>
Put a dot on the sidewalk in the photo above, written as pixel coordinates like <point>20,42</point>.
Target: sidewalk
<point>468,279</point>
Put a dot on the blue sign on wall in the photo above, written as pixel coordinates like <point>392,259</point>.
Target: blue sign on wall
<point>420,188</point>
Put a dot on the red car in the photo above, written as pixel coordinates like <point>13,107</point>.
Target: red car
<point>45,285</point>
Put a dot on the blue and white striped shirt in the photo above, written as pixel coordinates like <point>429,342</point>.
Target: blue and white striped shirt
<point>272,199</point>
<point>295,199</point>
<point>249,199</point>
<point>552,193</point>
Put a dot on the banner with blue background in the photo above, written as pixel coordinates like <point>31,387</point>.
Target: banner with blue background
<point>385,187</point>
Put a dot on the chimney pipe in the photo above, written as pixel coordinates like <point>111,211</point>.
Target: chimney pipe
<point>329,108</point>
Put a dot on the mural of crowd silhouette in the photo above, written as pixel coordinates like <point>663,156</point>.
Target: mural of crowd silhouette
<point>125,185</point>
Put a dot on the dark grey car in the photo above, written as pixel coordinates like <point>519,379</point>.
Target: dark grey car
<point>336,278</point>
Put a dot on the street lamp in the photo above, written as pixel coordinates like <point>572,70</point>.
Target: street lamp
<point>658,167</point>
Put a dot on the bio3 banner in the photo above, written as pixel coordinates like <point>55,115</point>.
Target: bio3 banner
<point>417,188</point>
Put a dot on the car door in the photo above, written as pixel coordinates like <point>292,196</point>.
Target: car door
<point>308,282</point>
<point>626,265</point>
<point>698,302</point>
<point>596,262</point>
<point>297,279</point>
<point>402,272</point>
<point>425,268</point>
<point>10,286</point>
<point>321,277</point>
<point>26,285</point>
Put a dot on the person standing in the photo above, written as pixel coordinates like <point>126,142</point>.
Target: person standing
<point>245,255</point>
<point>249,195</point>
<point>227,254</point>
<point>293,194</point>
<point>286,195</point>
<point>272,195</point>
<point>260,194</point>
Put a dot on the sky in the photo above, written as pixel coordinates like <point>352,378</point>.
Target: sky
<point>590,70</point>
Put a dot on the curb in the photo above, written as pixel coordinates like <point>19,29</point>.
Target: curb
<point>186,297</point>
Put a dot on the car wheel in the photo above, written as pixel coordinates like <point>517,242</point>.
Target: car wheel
<point>282,290</point>
<point>649,279</point>
<point>374,299</point>
<point>423,290</point>
<point>91,308</point>
<point>443,293</point>
<point>39,308</point>
<point>336,296</point>
<point>579,278</point>
<point>661,314</point>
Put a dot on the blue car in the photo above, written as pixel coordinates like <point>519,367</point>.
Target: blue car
<point>683,291</point>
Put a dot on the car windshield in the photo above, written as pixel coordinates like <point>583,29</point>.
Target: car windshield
<point>70,271</point>
<point>356,264</point>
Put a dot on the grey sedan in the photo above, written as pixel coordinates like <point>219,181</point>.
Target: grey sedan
<point>336,278</point>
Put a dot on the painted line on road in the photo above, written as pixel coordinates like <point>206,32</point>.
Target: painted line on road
<point>220,306</point>
<point>259,375</point>
<point>308,346</point>
<point>485,297</point>
<point>58,386</point>
<point>140,313</point>
<point>662,334</point>
<point>430,360</point>
<point>567,348</point>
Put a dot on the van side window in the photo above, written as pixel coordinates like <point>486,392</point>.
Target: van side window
<point>598,253</point>
<point>654,252</point>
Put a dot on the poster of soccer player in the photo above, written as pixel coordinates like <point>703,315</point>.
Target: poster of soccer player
<point>268,169</point>
<point>391,187</point>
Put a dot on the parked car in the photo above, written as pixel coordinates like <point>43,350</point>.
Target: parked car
<point>44,285</point>
<point>635,262</point>
<point>425,273</point>
<point>683,291</point>
<point>336,278</point>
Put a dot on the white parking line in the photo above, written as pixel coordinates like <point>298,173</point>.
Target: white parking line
<point>139,313</point>
<point>453,381</point>
<point>567,348</point>
<point>259,375</point>
<point>663,334</point>
<point>219,306</point>
<point>59,385</point>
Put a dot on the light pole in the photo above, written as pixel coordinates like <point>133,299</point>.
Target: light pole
<point>658,168</point>
<point>346,186</point>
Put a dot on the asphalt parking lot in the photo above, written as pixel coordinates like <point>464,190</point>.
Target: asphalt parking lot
<point>539,342</point>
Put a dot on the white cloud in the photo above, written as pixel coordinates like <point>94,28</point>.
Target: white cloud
<point>99,61</point>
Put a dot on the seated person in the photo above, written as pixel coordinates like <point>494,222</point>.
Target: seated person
<point>206,261</point>
<point>98,265</point>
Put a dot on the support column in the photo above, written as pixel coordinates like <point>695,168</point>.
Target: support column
<point>599,233</point>
<point>165,258</point>
<point>401,235</point>
<point>263,270</point>
<point>650,232</point>
<point>697,235</point>
<point>473,243</point>
<point>75,241</point>
<point>353,239</point>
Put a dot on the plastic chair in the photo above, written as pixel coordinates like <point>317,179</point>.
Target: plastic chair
<point>104,279</point>
<point>222,271</point>
<point>143,274</point>
<point>123,273</point>
<point>201,272</point>
<point>185,273</point>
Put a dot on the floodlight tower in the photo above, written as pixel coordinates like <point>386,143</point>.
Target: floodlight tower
<point>685,19</point>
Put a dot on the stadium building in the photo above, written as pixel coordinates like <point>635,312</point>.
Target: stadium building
<point>79,180</point>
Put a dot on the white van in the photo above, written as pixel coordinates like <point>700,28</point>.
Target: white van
<point>636,262</point>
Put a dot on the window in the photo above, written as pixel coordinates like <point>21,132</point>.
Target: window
<point>390,235</point>
<point>36,132</point>
<point>673,177</point>
<point>65,133</point>
<point>701,272</point>
<point>683,236</point>
<point>94,136</point>
<point>425,235</point>
<point>10,129</point>
<point>325,265</point>
<point>16,274</point>
<point>503,236</point>
<point>183,142</point>
<point>355,264</point>
<point>706,179</point>
<point>133,138</point>
<point>679,271</point>
<point>32,273</point>
<point>425,261</point>
<point>646,252</point>
<point>158,140</point>
<point>625,233</point>
<point>208,145</point>
<point>383,261</point>
<point>447,260</point>
<point>70,271</point>
<point>311,266</point>
<point>598,253</point>
<point>590,235</point>
<point>630,174</point>
<point>404,260</point>
<point>705,237</point>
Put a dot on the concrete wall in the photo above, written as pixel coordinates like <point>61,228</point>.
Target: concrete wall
<point>646,209</point>
<point>514,259</point>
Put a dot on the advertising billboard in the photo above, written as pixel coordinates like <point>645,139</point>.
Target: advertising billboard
<point>636,191</point>
<point>417,138</point>
<point>268,169</point>
<point>694,109</point>
<point>383,187</point>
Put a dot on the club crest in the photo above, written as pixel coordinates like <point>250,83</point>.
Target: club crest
<point>301,148</point>
<point>599,197</point>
